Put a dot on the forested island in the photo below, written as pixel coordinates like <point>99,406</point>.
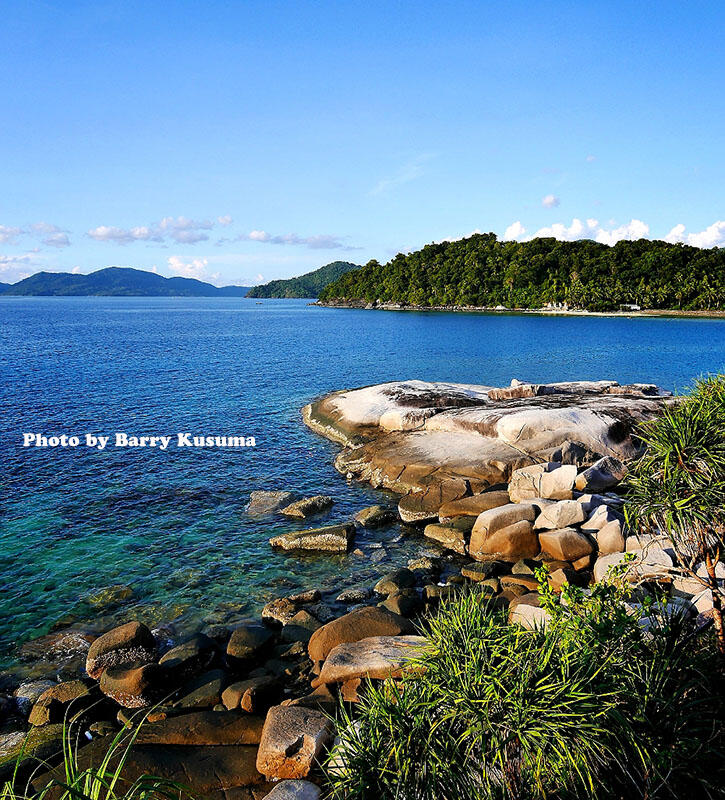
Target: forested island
<point>308,285</point>
<point>484,272</point>
<point>117,282</point>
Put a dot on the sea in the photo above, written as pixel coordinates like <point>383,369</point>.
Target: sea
<point>168,529</point>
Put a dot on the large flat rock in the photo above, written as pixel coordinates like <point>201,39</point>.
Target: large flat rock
<point>377,657</point>
<point>434,438</point>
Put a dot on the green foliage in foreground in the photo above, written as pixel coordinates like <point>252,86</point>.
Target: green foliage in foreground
<point>590,706</point>
<point>485,272</point>
<point>678,486</point>
<point>69,781</point>
<point>308,285</point>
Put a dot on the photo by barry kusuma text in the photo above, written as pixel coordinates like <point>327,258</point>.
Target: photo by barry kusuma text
<point>123,439</point>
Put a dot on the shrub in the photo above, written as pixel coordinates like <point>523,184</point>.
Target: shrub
<point>102,782</point>
<point>591,705</point>
<point>677,487</point>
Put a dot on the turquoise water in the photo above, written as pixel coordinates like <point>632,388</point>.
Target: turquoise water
<point>172,524</point>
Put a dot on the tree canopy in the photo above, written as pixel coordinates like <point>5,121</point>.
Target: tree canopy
<point>484,272</point>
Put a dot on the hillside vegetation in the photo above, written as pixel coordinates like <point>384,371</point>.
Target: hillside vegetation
<point>118,281</point>
<point>485,272</point>
<point>308,285</point>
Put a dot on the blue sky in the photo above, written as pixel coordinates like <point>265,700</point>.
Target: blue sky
<point>244,141</point>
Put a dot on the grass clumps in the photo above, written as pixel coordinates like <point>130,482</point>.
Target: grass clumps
<point>607,700</point>
<point>37,779</point>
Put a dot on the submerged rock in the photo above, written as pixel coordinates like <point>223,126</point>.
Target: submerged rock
<point>268,502</point>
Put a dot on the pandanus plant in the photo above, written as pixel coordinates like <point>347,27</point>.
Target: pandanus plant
<point>677,487</point>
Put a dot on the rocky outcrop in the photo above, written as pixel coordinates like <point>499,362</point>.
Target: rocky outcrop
<point>439,442</point>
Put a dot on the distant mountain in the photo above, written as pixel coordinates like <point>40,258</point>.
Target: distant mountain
<point>117,281</point>
<point>308,285</point>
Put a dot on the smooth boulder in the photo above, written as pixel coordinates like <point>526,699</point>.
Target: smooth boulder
<point>565,545</point>
<point>359,624</point>
<point>132,643</point>
<point>551,481</point>
<point>472,506</point>
<point>376,657</point>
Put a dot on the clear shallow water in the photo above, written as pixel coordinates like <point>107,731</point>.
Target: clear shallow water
<point>172,525</point>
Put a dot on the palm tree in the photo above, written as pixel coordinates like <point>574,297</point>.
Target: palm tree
<point>678,485</point>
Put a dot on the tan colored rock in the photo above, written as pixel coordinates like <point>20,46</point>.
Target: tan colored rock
<point>602,475</point>
<point>527,581</point>
<point>210,728</point>
<point>511,543</point>
<point>132,643</point>
<point>423,504</point>
<point>331,538</point>
<point>566,544</point>
<point>135,687</point>
<point>526,611</point>
<point>375,516</point>
<point>501,531</point>
<point>293,740</point>
<point>610,538</point>
<point>253,695</point>
<point>447,536</point>
<point>377,657</point>
<point>562,514</point>
<point>308,507</point>
<point>356,625</point>
<point>472,506</point>
<point>550,481</point>
<point>59,700</point>
<point>601,516</point>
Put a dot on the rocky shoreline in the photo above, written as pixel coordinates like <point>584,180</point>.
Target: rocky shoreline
<point>493,481</point>
<point>553,311</point>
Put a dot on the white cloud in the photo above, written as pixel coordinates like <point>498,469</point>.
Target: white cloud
<point>196,268</point>
<point>8,234</point>
<point>550,201</point>
<point>407,173</point>
<point>514,231</point>
<point>591,158</point>
<point>15,268</point>
<point>317,242</point>
<point>712,236</point>
<point>634,229</point>
<point>578,229</point>
<point>181,230</point>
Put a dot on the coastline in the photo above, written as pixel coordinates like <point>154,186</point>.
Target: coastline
<point>554,312</point>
